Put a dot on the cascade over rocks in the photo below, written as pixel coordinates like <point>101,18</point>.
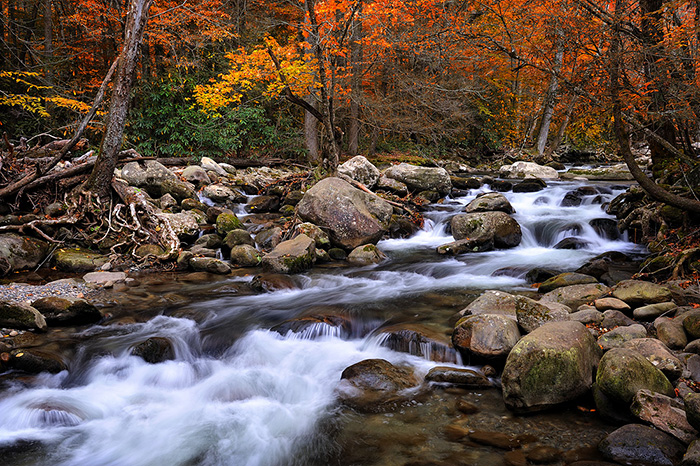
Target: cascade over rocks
<point>421,178</point>
<point>552,365</point>
<point>352,217</point>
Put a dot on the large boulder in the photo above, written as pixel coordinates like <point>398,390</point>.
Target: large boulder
<point>642,445</point>
<point>485,337</point>
<point>492,302</point>
<point>490,202</point>
<point>78,260</point>
<point>575,295</point>
<point>528,170</point>
<point>67,311</point>
<point>565,279</point>
<point>19,253</point>
<point>20,316</point>
<point>360,169</point>
<point>638,293</point>
<point>552,365</point>
<point>621,374</point>
<point>532,315</point>
<point>421,178</point>
<point>504,230</point>
<point>291,256</point>
<point>352,217</point>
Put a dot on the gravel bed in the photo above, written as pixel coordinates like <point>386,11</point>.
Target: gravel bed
<point>66,288</point>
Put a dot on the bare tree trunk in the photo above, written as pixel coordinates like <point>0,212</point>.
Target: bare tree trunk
<point>551,98</point>
<point>355,83</point>
<point>562,128</point>
<point>311,137</point>
<point>101,177</point>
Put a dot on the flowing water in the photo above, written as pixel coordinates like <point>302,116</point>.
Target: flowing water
<point>238,393</point>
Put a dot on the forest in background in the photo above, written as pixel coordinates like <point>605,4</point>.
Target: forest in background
<point>304,79</point>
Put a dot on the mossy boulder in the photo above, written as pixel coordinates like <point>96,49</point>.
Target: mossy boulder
<point>314,232</point>
<point>638,293</point>
<point>20,316</point>
<point>238,237</point>
<point>499,226</point>
<point>552,365</point>
<point>226,222</point>
<point>621,374</point>
<point>566,279</point>
<point>532,315</point>
<point>20,253</point>
<point>492,302</point>
<point>292,256</point>
<point>78,260</point>
<point>209,264</point>
<point>575,295</point>
<point>245,255</point>
<point>367,254</point>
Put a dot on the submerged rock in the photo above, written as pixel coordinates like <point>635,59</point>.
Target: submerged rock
<point>638,444</point>
<point>154,350</point>
<point>552,365</point>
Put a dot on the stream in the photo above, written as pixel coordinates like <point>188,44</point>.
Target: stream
<point>238,393</point>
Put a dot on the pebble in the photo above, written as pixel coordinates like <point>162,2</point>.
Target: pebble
<point>22,292</point>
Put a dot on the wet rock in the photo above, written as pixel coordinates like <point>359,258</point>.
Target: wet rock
<point>219,193</point>
<point>337,254</point>
<point>20,253</point>
<point>361,170</point>
<point>501,186</point>
<point>391,185</point>
<point>184,224</point>
<point>401,227</point>
<point>21,316</point>
<point>197,250</point>
<point>485,336</point>
<point>209,264</point>
<point>272,282</point>
<point>572,243</point>
<point>458,376</point>
<point>621,374</point>
<point>315,326</point>
<point>691,323</point>
<point>638,293</point>
<point>35,361</point>
<point>270,238</point>
<point>531,185</point>
<point>245,255</point>
<point>663,413</point>
<point>658,354</point>
<point>237,237</point>
<point>540,274</point>
<point>367,254</point>
<point>67,311</point>
<point>652,311</point>
<point>465,183</point>
<point>691,404</point>
<point>319,236</point>
<point>494,439</point>
<point>565,279</point>
<point>226,222</point>
<point>638,444</point>
<point>692,455</point>
<point>210,241</point>
<point>374,385</point>
<point>262,204</point>
<point>552,365</point>
<point>351,217</point>
<point>605,304</point>
<point>466,407</point>
<point>291,256</point>
<point>467,245</point>
<point>78,260</point>
<point>196,175</point>
<point>544,454</point>
<point>575,295</point>
<point>418,340</point>
<point>502,228</point>
<point>193,204</point>
<point>154,350</point>
<point>492,302</point>
<point>146,250</point>
<point>421,178</point>
<point>671,332</point>
<point>528,170</point>
<point>605,228</point>
<point>532,315</point>
<point>617,337</point>
<point>490,202</point>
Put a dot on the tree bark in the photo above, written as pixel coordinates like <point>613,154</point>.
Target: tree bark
<point>355,83</point>
<point>551,98</point>
<point>311,137</point>
<point>616,62</point>
<point>101,177</point>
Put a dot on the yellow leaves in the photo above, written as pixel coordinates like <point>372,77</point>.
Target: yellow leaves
<point>25,102</point>
<point>254,71</point>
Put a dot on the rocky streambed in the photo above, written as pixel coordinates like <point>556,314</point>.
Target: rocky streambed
<point>507,330</point>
